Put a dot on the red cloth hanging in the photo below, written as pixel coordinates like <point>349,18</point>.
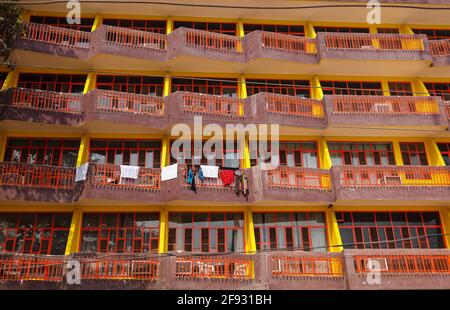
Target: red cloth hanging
<point>227,177</point>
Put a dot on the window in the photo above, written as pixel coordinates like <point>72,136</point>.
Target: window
<point>211,232</point>
<point>434,34</point>
<point>390,230</point>
<point>143,85</point>
<point>157,26</point>
<point>291,154</point>
<point>51,152</point>
<point>299,88</point>
<point>351,88</point>
<point>439,89</point>
<point>445,152</point>
<point>388,30</point>
<point>120,233</point>
<point>361,154</point>
<point>224,28</point>
<point>85,23</point>
<point>2,78</point>
<point>413,153</point>
<point>65,83</point>
<point>400,88</point>
<point>341,29</point>
<point>305,231</point>
<point>34,233</point>
<point>142,153</point>
<point>296,30</point>
<point>223,87</point>
<point>221,155</point>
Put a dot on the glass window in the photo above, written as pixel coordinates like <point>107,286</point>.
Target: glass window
<point>296,30</point>
<point>444,148</point>
<point>298,88</point>
<point>84,25</point>
<point>222,87</point>
<point>346,88</point>
<point>144,85</point>
<point>65,83</point>
<point>414,153</point>
<point>439,89</point>
<point>223,28</point>
<point>156,26</point>
<point>361,154</point>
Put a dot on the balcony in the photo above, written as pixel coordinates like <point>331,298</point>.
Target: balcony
<point>391,183</point>
<point>104,182</point>
<point>19,181</point>
<point>286,110</point>
<point>40,106</point>
<point>205,44</point>
<point>440,50</point>
<point>386,111</point>
<point>56,41</point>
<point>279,46</point>
<point>399,269</point>
<point>294,185</point>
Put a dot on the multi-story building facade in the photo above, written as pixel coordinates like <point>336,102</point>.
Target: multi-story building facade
<point>364,147</point>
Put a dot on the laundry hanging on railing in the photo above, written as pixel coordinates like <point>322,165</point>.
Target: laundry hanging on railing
<point>191,179</point>
<point>210,171</point>
<point>81,172</point>
<point>169,172</point>
<point>227,177</point>
<point>129,172</point>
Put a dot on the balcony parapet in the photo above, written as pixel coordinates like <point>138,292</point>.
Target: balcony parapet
<point>440,50</point>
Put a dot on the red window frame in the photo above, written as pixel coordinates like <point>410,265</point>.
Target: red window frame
<point>388,30</point>
<point>66,83</point>
<point>439,89</point>
<point>444,148</point>
<point>155,26</point>
<point>204,161</point>
<point>32,235</point>
<point>85,23</point>
<point>392,229</point>
<point>298,148</point>
<point>359,149</point>
<point>400,88</point>
<point>46,151</point>
<point>189,230</point>
<point>273,232</point>
<point>144,85</point>
<point>114,147</point>
<point>359,88</point>
<point>222,87</point>
<point>341,29</point>
<point>410,150</point>
<point>433,34</point>
<point>112,233</point>
<point>295,30</point>
<point>223,28</point>
<point>298,88</point>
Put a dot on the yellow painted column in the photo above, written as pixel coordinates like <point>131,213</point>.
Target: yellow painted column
<point>397,153</point>
<point>83,152</point>
<point>73,241</point>
<point>242,92</point>
<point>169,25</point>
<point>405,29</point>
<point>334,236</point>
<point>410,44</point>
<point>419,89</point>
<point>90,82</point>
<point>433,153</point>
<point>163,230</point>
<point>316,89</point>
<point>240,33</point>
<point>167,85</point>
<point>97,22</point>
<point>375,41</point>
<point>445,216</point>
<point>11,80</point>
<point>246,158</point>
<point>250,241</point>
<point>324,154</point>
<point>3,140</point>
<point>310,33</point>
<point>26,17</point>
<point>165,156</point>
<point>385,88</point>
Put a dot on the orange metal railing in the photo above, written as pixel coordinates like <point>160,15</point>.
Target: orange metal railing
<point>312,265</point>
<point>21,267</point>
<point>108,176</point>
<point>57,35</point>
<point>46,100</point>
<point>385,105</point>
<point>299,178</point>
<point>394,176</point>
<point>376,42</point>
<point>404,263</point>
<point>447,108</point>
<point>212,41</point>
<point>27,175</point>
<point>288,43</point>
<point>294,106</point>
<point>440,48</point>
<point>136,38</point>
<point>112,101</point>
<point>223,267</point>
<point>212,105</point>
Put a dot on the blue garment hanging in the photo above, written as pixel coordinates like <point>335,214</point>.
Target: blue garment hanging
<point>200,174</point>
<point>190,177</point>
